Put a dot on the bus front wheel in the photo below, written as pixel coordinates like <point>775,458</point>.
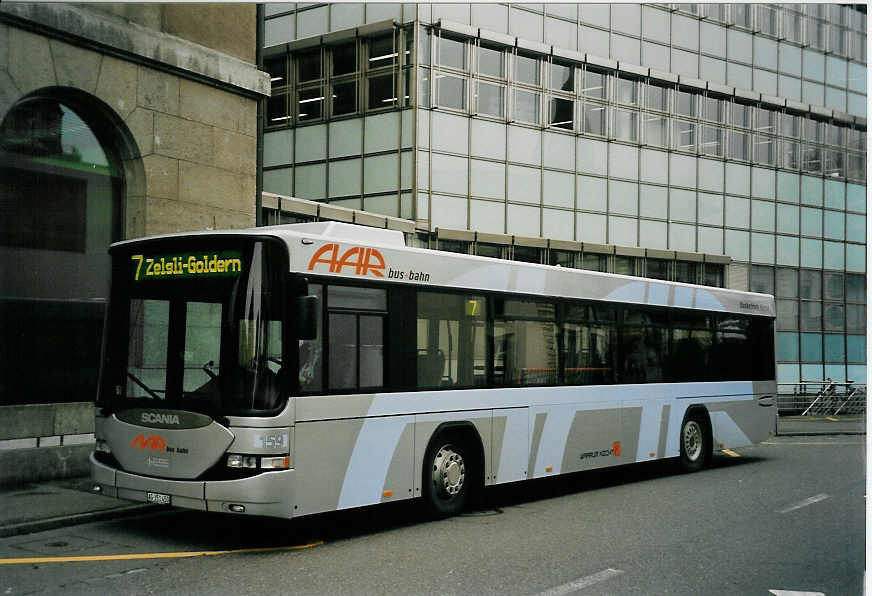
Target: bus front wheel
<point>695,442</point>
<point>448,475</point>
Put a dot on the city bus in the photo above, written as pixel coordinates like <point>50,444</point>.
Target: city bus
<point>297,369</point>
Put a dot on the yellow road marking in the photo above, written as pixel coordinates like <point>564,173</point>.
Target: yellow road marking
<point>730,452</point>
<point>831,419</point>
<point>138,556</point>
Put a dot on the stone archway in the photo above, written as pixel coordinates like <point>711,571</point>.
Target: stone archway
<point>70,178</point>
<point>115,135</point>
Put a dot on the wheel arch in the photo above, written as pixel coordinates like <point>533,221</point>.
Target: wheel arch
<point>700,411</point>
<point>468,431</point>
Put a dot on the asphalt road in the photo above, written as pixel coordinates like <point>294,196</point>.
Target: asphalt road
<point>785,515</point>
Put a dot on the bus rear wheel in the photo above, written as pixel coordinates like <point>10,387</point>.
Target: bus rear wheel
<point>448,475</point>
<point>695,442</point>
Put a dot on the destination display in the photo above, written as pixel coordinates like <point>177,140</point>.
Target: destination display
<point>186,265</point>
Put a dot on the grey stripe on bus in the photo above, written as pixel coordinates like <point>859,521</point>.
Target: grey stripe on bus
<point>398,480</point>
<point>664,430</point>
<point>538,427</point>
<point>592,438</point>
<point>748,420</point>
<point>498,432</point>
<point>322,471</point>
<point>631,430</point>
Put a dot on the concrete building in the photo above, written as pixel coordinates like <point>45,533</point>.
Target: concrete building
<point>116,121</point>
<point>710,143</point>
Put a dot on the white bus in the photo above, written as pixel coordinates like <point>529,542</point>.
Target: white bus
<point>298,369</point>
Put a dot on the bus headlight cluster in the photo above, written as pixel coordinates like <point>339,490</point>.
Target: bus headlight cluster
<point>241,461</point>
<point>236,460</point>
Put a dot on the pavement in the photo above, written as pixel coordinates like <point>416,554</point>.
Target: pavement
<point>821,425</point>
<point>60,503</point>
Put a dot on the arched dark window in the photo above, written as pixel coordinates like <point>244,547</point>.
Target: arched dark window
<point>60,198</point>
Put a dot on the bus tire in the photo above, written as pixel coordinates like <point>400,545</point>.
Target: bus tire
<point>695,441</point>
<point>449,474</point>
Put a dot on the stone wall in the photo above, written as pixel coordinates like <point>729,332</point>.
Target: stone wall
<point>191,159</point>
<point>200,159</point>
<point>55,459</point>
<point>227,27</point>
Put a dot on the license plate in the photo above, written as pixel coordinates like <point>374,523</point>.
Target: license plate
<point>157,498</point>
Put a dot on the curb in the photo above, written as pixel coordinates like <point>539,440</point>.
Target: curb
<point>52,523</point>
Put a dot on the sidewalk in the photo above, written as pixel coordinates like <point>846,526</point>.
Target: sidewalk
<point>59,503</point>
<point>821,425</point>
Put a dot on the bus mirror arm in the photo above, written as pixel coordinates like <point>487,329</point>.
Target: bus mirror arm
<point>307,317</point>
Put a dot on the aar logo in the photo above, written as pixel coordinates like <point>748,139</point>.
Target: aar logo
<point>614,451</point>
<point>153,442</point>
<point>363,261</point>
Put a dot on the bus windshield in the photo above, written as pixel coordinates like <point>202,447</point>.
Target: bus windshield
<point>196,327</point>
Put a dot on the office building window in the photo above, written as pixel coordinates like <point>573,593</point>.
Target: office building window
<point>561,113</point>
<point>562,77</point>
<point>491,99</point>
<point>491,62</point>
<point>594,119</point>
<point>526,70</point>
<point>452,53</point>
<point>656,130</point>
<point>526,106</point>
<point>594,84</point>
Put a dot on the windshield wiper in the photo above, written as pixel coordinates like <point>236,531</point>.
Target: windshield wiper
<point>143,385</point>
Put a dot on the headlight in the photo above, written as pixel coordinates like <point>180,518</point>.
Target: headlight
<point>102,446</point>
<point>241,461</point>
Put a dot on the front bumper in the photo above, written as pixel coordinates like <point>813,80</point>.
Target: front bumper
<point>269,494</point>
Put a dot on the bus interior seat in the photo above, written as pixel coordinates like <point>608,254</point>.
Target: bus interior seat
<point>431,364</point>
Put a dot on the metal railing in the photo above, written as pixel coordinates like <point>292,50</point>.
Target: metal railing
<point>822,398</point>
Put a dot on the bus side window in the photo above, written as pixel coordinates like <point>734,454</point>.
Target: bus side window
<point>644,343</point>
<point>588,345</point>
<point>691,347</point>
<point>763,349</point>
<point>525,343</point>
<point>451,340</point>
<point>356,337</point>
<point>732,352</point>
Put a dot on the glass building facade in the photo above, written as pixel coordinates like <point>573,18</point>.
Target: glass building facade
<point>707,143</point>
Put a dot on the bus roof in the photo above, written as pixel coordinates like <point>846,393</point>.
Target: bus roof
<point>352,252</point>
